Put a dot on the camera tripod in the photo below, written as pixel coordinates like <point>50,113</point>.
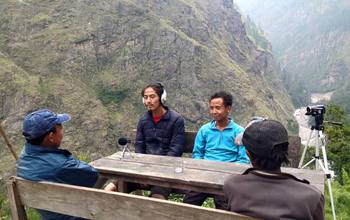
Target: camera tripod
<point>319,163</point>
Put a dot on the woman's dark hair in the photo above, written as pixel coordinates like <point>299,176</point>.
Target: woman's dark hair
<point>227,97</point>
<point>39,140</point>
<point>278,155</point>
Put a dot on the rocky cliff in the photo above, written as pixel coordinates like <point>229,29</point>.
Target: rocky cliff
<point>91,59</point>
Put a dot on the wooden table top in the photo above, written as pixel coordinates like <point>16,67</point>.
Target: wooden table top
<point>183,173</point>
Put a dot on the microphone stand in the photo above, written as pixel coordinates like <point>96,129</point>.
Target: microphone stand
<point>123,142</point>
<point>126,148</point>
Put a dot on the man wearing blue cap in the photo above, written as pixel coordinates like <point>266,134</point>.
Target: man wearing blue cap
<point>41,160</point>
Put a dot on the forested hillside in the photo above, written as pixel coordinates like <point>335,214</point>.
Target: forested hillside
<point>311,41</point>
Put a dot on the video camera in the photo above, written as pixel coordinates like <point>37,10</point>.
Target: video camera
<point>315,110</point>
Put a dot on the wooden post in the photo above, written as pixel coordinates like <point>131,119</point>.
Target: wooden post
<point>3,134</point>
<point>17,209</point>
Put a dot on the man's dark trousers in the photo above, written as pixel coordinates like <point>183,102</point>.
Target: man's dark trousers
<point>197,198</point>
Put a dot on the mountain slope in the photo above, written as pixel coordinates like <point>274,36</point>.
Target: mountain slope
<point>91,59</point>
<point>311,41</point>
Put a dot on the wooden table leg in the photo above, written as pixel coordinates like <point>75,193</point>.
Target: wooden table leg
<point>122,186</point>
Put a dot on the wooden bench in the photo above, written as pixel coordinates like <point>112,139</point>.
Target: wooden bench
<point>99,204</point>
<point>294,151</point>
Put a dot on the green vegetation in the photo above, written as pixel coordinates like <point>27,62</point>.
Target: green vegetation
<point>338,152</point>
<point>338,145</point>
<point>109,94</point>
<point>256,34</point>
<point>341,195</point>
<point>84,156</point>
<point>342,97</point>
<point>4,203</point>
<point>297,89</point>
<point>175,197</point>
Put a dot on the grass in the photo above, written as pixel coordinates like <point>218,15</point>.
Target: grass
<point>175,197</point>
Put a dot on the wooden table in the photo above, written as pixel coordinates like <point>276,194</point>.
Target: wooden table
<point>180,172</point>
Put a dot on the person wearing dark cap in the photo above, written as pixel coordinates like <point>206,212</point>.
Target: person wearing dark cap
<point>42,160</point>
<point>264,191</point>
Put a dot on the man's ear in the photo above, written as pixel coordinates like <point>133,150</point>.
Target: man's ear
<point>50,137</point>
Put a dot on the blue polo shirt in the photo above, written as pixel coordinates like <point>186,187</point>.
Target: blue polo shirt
<point>213,144</point>
<point>37,163</point>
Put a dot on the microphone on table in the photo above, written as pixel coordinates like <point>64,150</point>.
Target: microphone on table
<point>123,142</point>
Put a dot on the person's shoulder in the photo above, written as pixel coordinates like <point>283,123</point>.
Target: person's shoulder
<point>310,188</point>
<point>72,163</point>
<point>41,166</point>
<point>234,181</point>
<point>233,178</point>
<point>58,159</point>
<point>235,125</point>
<point>207,126</point>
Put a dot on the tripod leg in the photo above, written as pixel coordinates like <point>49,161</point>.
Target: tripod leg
<point>124,151</point>
<point>317,151</point>
<point>325,161</point>
<point>325,169</point>
<point>331,195</point>
<point>328,175</point>
<point>130,152</point>
<point>304,152</point>
<point>308,163</point>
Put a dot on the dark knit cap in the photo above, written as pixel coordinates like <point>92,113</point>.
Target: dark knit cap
<point>262,137</point>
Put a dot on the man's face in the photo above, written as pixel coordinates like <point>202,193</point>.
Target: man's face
<point>218,110</point>
<point>57,136</point>
<point>151,99</point>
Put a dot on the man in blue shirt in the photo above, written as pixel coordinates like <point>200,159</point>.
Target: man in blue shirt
<point>216,141</point>
<point>41,160</point>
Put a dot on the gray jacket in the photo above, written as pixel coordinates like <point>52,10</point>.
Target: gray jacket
<point>268,195</point>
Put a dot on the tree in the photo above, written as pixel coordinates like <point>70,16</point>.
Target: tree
<point>338,140</point>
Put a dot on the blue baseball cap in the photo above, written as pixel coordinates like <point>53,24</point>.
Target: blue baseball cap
<point>40,122</point>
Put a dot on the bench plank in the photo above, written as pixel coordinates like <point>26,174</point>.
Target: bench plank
<point>98,204</point>
<point>17,209</point>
